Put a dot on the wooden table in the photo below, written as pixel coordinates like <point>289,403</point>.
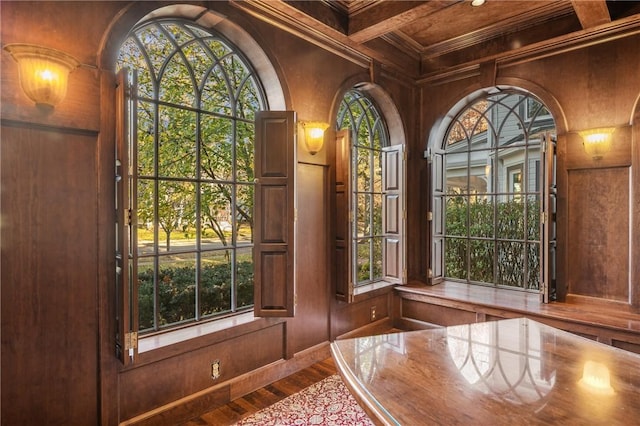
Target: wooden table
<point>514,371</point>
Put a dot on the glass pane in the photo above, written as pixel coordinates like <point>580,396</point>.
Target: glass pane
<point>146,88</point>
<point>510,263</point>
<point>218,48</point>
<point>510,172</point>
<point>377,171</point>
<point>176,216</point>
<point>456,258</point>
<point>217,223</point>
<point>377,258</point>
<point>364,135</point>
<point>479,171</point>
<point>176,84</point>
<point>216,149</point>
<point>146,140</point>
<point>363,168</point>
<point>198,59</point>
<point>145,217</point>
<point>481,223</point>
<point>457,134</point>
<point>456,216</point>
<point>363,218</point>
<point>378,136</point>
<point>245,134</point>
<point>456,173</point>
<point>510,128</point>
<point>176,289</point>
<point>178,32</point>
<point>363,264</point>
<point>244,277</point>
<point>215,282</point>
<point>248,100</point>
<point>481,266</point>
<point>236,71</point>
<point>533,218</point>
<point>145,293</point>
<point>244,214</point>
<point>157,45</point>
<point>532,182</point>
<point>510,220</point>
<point>216,95</point>
<point>533,266</point>
<point>377,214</point>
<point>480,134</point>
<point>177,143</point>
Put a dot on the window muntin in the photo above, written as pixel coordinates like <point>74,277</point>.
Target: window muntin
<point>492,195</point>
<point>196,99</point>
<point>369,135</point>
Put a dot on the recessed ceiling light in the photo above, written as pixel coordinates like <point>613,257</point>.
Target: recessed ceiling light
<point>477,2</point>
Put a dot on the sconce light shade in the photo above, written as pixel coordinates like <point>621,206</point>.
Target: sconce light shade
<point>314,135</point>
<point>597,142</point>
<point>43,72</point>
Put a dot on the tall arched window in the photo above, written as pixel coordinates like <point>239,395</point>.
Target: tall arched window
<point>490,192</point>
<point>369,136</point>
<point>369,193</point>
<point>190,176</point>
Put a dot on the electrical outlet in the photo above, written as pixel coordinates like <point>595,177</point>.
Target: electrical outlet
<point>373,313</point>
<point>215,369</point>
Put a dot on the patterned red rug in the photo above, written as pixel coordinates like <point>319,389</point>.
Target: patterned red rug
<point>327,402</point>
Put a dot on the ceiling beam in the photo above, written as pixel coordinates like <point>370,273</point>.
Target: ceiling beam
<point>591,13</point>
<point>387,16</point>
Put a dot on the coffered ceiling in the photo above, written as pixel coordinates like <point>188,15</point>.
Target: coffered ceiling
<point>423,38</point>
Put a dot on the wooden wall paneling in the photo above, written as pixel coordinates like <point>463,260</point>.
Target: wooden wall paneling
<point>627,346</point>
<point>49,269</point>
<point>109,364</point>
<point>347,317</point>
<point>635,211</point>
<point>598,250</point>
<point>562,208</point>
<point>153,385</point>
<point>310,326</point>
<point>433,314</point>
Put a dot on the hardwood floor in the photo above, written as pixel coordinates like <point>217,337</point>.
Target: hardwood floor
<point>268,395</point>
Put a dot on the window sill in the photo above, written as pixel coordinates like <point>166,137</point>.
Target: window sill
<point>157,341</point>
<point>369,290</point>
<point>503,303</point>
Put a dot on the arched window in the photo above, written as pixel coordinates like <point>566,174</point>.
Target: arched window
<point>193,97</point>
<point>372,174</point>
<point>492,194</point>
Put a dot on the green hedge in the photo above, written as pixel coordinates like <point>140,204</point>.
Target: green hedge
<point>485,238</point>
<point>176,292</point>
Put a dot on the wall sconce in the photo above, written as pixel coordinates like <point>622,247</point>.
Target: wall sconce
<point>43,72</point>
<point>314,135</point>
<point>597,142</point>
<point>596,378</point>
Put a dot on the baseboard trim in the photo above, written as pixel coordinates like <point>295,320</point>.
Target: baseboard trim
<point>208,399</point>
